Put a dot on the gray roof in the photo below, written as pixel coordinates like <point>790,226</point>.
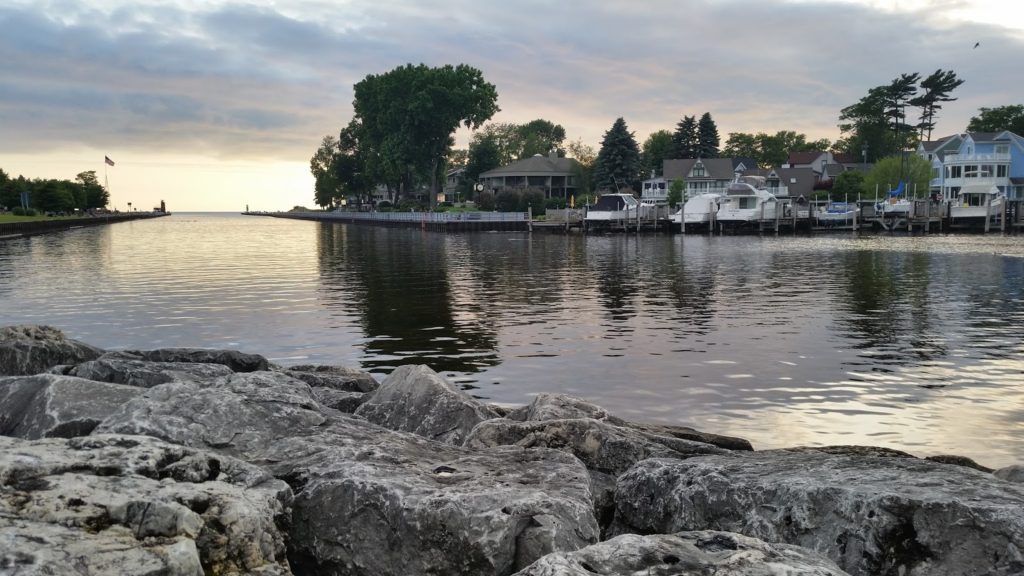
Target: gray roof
<point>804,184</point>
<point>535,166</point>
<point>834,170</point>
<point>714,168</point>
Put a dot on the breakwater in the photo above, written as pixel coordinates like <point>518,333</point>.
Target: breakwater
<point>192,461</point>
<point>435,221</point>
<point>29,228</point>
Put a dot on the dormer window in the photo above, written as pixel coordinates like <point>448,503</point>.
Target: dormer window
<point>698,170</point>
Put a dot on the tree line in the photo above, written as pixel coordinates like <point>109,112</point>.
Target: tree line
<point>53,195</point>
<point>402,135</point>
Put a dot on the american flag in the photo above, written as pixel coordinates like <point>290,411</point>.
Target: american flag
<point>108,160</point>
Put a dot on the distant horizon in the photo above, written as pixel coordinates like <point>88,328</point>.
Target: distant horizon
<point>216,105</point>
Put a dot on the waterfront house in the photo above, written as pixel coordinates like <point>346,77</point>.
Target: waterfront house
<point>701,175</point>
<point>976,158</point>
<point>554,175</point>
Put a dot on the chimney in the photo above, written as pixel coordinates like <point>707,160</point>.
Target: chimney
<point>553,154</point>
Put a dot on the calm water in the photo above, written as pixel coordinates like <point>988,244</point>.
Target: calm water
<point>913,343</point>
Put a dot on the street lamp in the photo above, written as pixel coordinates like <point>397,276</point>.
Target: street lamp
<point>864,151</point>
<point>129,207</point>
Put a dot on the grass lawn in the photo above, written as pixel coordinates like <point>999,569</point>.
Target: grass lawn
<point>10,218</point>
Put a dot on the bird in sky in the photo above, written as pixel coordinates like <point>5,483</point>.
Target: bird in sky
<point>976,44</point>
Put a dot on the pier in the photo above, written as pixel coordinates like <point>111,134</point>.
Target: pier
<point>9,230</point>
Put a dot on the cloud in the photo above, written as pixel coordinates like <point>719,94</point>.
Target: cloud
<point>241,80</point>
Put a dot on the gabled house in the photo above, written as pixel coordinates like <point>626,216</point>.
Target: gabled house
<point>701,174</point>
<point>976,158</point>
<point>814,160</point>
<point>554,175</point>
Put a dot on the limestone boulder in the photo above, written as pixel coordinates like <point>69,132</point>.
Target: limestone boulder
<point>869,513</point>
<point>1013,473</point>
<point>49,405</point>
<point>121,368</point>
<point>703,552</point>
<point>416,399</point>
<point>372,500</point>
<point>28,350</point>
<point>113,504</point>
<point>340,400</point>
<point>561,407</point>
<point>336,377</point>
<point>233,359</point>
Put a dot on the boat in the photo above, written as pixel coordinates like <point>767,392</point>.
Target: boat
<point>746,201</point>
<point>897,205</point>
<point>836,213</point>
<point>698,211</point>
<point>616,209</point>
<point>976,201</point>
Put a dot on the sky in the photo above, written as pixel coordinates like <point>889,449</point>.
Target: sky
<point>217,105</point>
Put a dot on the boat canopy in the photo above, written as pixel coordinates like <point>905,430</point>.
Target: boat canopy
<point>613,202</point>
<point>754,181</point>
<point>979,189</point>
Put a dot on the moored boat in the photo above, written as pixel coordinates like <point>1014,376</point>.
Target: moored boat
<point>746,201</point>
<point>976,201</point>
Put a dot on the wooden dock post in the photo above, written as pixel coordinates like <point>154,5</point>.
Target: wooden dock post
<point>988,212</point>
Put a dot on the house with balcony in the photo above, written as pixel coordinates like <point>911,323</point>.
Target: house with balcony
<point>554,175</point>
<point>702,175</point>
<point>976,158</point>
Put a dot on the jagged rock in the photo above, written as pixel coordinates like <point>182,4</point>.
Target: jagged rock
<point>236,414</point>
<point>562,407</point>
<point>958,461</point>
<point>120,368</point>
<point>337,377</point>
<point>233,359</point>
<point>28,350</point>
<point>869,514</point>
<point>133,505</point>
<point>1013,473</point>
<point>705,552</point>
<point>49,405</point>
<point>601,446</point>
<point>340,400</point>
<point>416,399</point>
<point>375,501</point>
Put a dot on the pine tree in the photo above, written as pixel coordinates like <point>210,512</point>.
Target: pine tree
<point>618,162</point>
<point>707,137</point>
<point>685,138</point>
<point>936,89</point>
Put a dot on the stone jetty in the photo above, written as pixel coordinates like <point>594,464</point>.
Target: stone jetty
<point>190,461</point>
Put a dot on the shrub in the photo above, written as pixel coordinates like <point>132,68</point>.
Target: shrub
<point>507,200</point>
<point>533,199</point>
<point>555,203</point>
<point>485,201</point>
<point>19,211</point>
<point>383,205</point>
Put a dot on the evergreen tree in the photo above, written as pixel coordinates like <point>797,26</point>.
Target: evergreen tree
<point>618,162</point>
<point>686,138</point>
<point>707,137</point>
<point>936,89</point>
<point>657,148</point>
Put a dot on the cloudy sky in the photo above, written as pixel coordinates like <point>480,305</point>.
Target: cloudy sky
<point>216,105</point>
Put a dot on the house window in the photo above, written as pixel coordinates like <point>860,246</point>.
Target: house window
<point>935,173</point>
<point>698,170</point>
<point>970,171</point>
<point>1001,171</point>
<point>1002,148</point>
<point>956,172</point>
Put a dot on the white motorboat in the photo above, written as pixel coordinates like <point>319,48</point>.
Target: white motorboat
<point>976,201</point>
<point>835,213</point>
<point>698,211</point>
<point>897,204</point>
<point>615,209</point>
<point>746,201</point>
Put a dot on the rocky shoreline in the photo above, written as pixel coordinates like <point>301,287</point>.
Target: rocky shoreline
<point>190,461</point>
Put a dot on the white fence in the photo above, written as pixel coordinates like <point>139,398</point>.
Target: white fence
<point>428,217</point>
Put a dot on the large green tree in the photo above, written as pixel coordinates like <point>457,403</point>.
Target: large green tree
<point>406,118</point>
<point>936,89</point>
<point>997,119</point>
<point>887,173</point>
<point>585,157</point>
<point>618,161</point>
<point>742,145</point>
<point>848,186</point>
<point>707,137</point>
<point>686,138</point>
<point>657,148</point>
<point>771,150</point>
<point>484,154</point>
<point>90,193</point>
<point>321,165</point>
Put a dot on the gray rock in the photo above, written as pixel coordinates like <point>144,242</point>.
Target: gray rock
<point>339,400</point>
<point>958,461</point>
<point>49,405</point>
<point>237,414</point>
<point>28,350</point>
<point>371,500</point>
<point>118,369</point>
<point>869,514</point>
<point>705,552</point>
<point>337,377</point>
<point>601,446</point>
<point>562,407</point>
<point>416,399</point>
<point>233,359</point>
<point>1013,473</point>
<point>135,505</point>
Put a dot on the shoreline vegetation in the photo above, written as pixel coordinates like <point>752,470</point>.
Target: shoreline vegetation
<point>193,461</point>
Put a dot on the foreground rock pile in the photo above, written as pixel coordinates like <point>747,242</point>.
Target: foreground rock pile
<point>187,461</point>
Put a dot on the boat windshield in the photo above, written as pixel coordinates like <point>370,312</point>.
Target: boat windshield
<point>610,203</point>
